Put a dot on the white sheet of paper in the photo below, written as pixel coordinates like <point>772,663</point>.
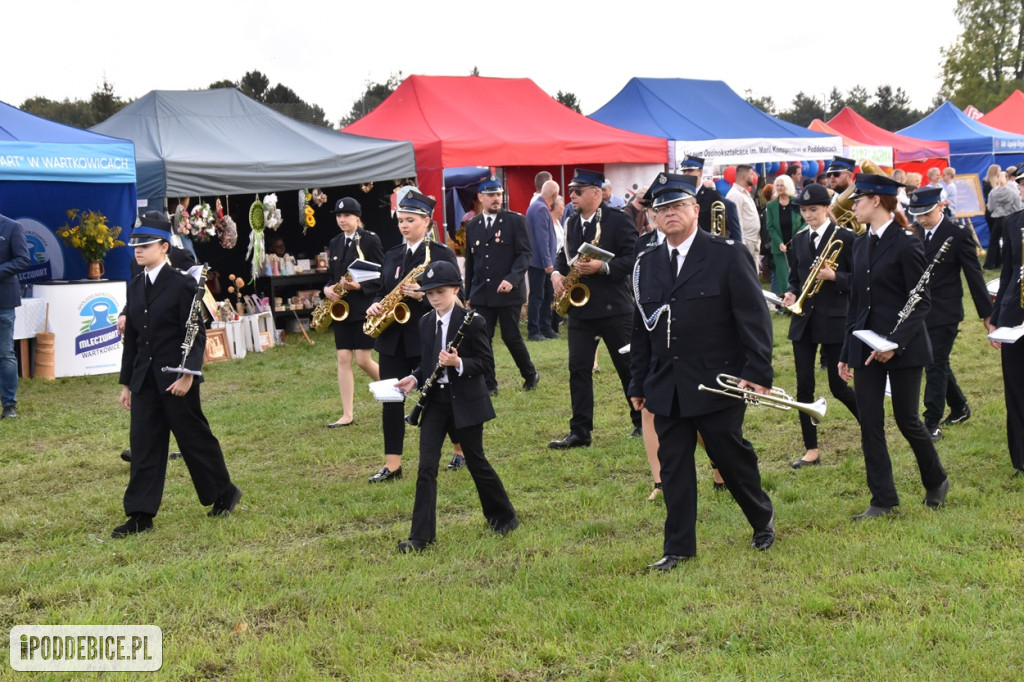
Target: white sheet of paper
<point>385,391</point>
<point>875,341</point>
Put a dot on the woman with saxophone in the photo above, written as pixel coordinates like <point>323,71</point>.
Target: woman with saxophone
<point>353,243</point>
<point>394,315</point>
<point>888,265</point>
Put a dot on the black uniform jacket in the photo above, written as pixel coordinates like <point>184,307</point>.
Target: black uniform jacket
<point>609,295</point>
<point>340,258</point>
<point>501,253</point>
<point>155,330</point>
<point>825,313</point>
<point>403,340</point>
<point>946,287</point>
<point>881,287</point>
<point>1007,311</point>
<point>719,325</point>
<point>471,401</point>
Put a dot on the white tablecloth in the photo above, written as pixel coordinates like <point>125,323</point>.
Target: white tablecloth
<point>29,318</point>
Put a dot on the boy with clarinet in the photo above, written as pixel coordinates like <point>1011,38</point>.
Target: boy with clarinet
<point>454,393</point>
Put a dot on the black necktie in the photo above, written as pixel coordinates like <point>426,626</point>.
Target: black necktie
<point>814,241</point>
<point>149,286</point>
<point>675,264</point>
<point>584,228</point>
<point>348,243</point>
<point>928,236</point>
<point>439,345</point>
<point>489,220</point>
<point>872,243</point>
<point>407,263</point>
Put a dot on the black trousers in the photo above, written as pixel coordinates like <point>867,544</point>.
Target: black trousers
<point>905,383</point>
<point>993,255</point>
<point>393,414</point>
<point>1013,373</point>
<point>538,307</point>
<point>508,318</point>
<point>805,356</point>
<point>736,460</point>
<point>940,387</point>
<point>155,414</point>
<point>438,420</point>
<point>583,337</point>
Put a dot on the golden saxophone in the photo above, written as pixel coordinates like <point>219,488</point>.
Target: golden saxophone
<point>394,310</point>
<point>328,311</point>
<point>718,218</point>
<point>576,293</point>
<point>829,257</point>
<point>842,207</point>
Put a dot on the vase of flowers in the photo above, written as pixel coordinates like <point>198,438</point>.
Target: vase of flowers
<point>89,234</point>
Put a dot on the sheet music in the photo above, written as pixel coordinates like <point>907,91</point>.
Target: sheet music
<point>1007,334</point>
<point>875,341</point>
<point>385,391</point>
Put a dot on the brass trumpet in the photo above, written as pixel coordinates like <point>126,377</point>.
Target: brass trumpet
<point>778,398</point>
<point>842,207</point>
<point>829,257</point>
<point>718,218</point>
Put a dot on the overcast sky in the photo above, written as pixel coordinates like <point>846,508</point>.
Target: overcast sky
<point>327,51</point>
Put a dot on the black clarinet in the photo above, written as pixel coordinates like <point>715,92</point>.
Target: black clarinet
<point>918,291</point>
<point>195,318</point>
<point>413,417</point>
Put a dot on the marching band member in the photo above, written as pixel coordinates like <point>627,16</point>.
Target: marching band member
<point>458,402</point>
<point>700,312</point>
<point>1008,311</point>
<point>824,317</point>
<point>157,315</point>
<point>945,288</point>
<point>398,346</point>
<point>349,338</point>
<point>888,262</point>
<point>608,314</point>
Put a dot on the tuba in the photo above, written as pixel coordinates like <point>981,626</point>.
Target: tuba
<point>842,207</point>
<point>395,310</point>
<point>829,256</point>
<point>576,293</point>
<point>335,311</point>
<point>718,218</point>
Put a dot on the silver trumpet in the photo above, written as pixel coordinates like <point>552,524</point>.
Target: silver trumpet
<point>779,399</point>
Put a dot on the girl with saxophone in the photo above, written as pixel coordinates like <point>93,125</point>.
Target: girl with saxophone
<point>393,317</point>
<point>353,243</point>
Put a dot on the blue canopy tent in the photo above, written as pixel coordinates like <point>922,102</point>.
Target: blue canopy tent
<point>973,147</point>
<point>460,183</point>
<point>708,119</point>
<point>46,169</point>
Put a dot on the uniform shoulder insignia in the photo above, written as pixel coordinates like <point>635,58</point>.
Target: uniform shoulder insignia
<point>908,232</point>
<point>730,242</point>
<point>514,213</point>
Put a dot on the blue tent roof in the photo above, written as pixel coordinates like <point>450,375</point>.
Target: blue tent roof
<point>964,134</point>
<point>34,148</point>
<point>689,109</point>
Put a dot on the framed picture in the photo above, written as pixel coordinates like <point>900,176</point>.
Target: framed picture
<point>217,347</point>
<point>968,196</point>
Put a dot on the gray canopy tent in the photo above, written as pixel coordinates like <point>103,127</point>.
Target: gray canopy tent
<point>211,142</point>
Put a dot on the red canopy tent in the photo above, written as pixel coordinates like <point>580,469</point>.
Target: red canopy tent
<point>911,154</point>
<point>457,121</point>
<point>856,149</point>
<point>1007,116</point>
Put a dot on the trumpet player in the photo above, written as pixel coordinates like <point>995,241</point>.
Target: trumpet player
<point>823,319</point>
<point>699,313</point>
<point>608,313</point>
<point>707,196</point>
<point>398,346</point>
<point>349,339</point>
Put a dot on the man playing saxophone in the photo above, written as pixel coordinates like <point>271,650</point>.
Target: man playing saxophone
<point>608,313</point>
<point>822,317</point>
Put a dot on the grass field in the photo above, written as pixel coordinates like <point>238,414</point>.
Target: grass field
<point>304,581</point>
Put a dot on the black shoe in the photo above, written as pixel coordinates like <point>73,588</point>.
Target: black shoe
<point>338,424</point>
<point>958,417</point>
<point>9,412</point>
<point>764,538</point>
<point>637,432</point>
<point>226,503</point>
<point>934,432</point>
<point>719,487</point>
<point>552,335</point>
<point>493,392</point>
<point>175,455</point>
<point>570,441</point>
<point>936,497</point>
<point>530,383</point>
<point>536,337</point>
<point>410,546</point>
<point>458,461</point>
<point>386,474</point>
<point>126,454</point>
<point>506,528</point>
<point>873,512</point>
<point>668,562</point>
<point>805,463</point>
<point>137,523</point>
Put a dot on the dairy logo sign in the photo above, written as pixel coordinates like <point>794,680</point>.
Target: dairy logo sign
<point>98,332</point>
<point>44,250</point>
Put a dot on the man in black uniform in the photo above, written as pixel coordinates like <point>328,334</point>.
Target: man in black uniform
<point>823,319</point>
<point>947,295</point>
<point>840,174</point>
<point>497,257</point>
<point>159,302</point>
<point>708,194</point>
<point>700,313</point>
<point>608,314</point>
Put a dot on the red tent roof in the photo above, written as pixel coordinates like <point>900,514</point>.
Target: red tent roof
<point>1007,116</point>
<point>851,124</point>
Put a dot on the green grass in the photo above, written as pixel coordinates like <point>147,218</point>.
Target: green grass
<point>304,581</point>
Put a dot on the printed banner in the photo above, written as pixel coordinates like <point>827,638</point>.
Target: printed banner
<point>106,163</point>
<point>759,150</point>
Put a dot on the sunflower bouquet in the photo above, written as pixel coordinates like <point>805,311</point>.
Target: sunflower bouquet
<point>306,201</point>
<point>89,233</point>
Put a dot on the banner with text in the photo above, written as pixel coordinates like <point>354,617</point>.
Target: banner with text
<point>52,162</point>
<point>759,150</point>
